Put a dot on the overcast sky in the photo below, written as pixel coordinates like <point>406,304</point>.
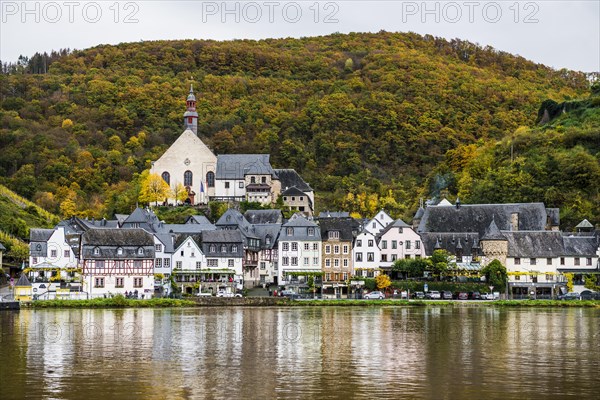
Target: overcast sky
<point>560,34</point>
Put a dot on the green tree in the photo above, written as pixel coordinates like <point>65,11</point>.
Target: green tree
<point>495,274</point>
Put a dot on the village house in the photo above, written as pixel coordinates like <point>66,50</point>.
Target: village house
<point>398,241</point>
<point>116,261</point>
<point>224,252</point>
<point>299,253</point>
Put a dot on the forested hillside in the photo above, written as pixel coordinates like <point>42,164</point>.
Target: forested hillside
<point>367,119</point>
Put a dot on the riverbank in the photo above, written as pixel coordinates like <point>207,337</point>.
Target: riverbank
<point>121,302</point>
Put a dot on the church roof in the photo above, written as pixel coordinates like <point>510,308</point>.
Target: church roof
<point>237,166</point>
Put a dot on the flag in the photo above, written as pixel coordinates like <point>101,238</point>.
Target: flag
<point>201,187</point>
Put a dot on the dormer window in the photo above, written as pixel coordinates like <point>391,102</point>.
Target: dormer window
<point>140,251</point>
<point>334,234</point>
<point>120,251</point>
<point>289,231</point>
<point>268,239</point>
<point>212,248</point>
<point>234,249</point>
<point>223,248</point>
<point>96,251</point>
<point>311,231</point>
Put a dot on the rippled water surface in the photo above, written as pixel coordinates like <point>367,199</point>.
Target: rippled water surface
<point>321,353</point>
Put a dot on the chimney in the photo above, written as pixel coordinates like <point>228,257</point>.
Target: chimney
<point>514,221</point>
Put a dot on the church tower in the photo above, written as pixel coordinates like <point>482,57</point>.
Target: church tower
<point>190,117</point>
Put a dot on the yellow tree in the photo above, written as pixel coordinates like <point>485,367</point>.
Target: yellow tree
<point>180,192</point>
<point>154,188</point>
<point>383,282</point>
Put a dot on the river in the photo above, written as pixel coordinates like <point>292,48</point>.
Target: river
<point>301,352</point>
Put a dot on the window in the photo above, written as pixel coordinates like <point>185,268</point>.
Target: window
<point>294,260</point>
<point>212,262</point>
<point>167,262</point>
<point>99,264</point>
<point>306,246</point>
<point>532,261</point>
<point>394,244</point>
<point>119,282</point>
<point>316,260</point>
<point>158,247</point>
<point>53,253</point>
<point>289,231</point>
<point>328,263</point>
<point>315,246</point>
<point>395,257</point>
<point>234,248</point>
<point>345,275</point>
<point>99,282</point>
<point>336,249</point>
<point>230,263</point>
<point>158,263</point>
<point>198,265</point>
<point>140,251</point>
<point>370,243</point>
<point>223,248</point>
<point>138,282</point>
<point>549,277</point>
<point>285,261</point>
<point>359,257</point>
<point>336,263</point>
<point>120,251</point>
<point>306,260</point>
<point>345,262</point>
<point>407,244</point>
<point>311,231</point>
<point>370,256</point>
<point>96,251</point>
<point>588,261</point>
<point>178,264</point>
<point>358,243</point>
<point>417,244</point>
<point>548,261</point>
<point>327,249</point>
<point>384,244</point>
<point>374,225</point>
<point>187,178</point>
<point>210,179</point>
<point>212,248</point>
<point>268,239</point>
<point>576,260</point>
<point>334,234</point>
<point>67,253</point>
<point>562,261</point>
<point>285,246</point>
<point>241,185</point>
<point>181,253</point>
<point>294,246</point>
<point>137,264</point>
<point>263,265</point>
<point>226,185</point>
<point>517,277</point>
<point>252,179</point>
<point>517,261</point>
<point>166,177</point>
<point>34,260</point>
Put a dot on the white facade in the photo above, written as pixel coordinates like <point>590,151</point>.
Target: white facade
<point>399,242</point>
<point>163,262</point>
<point>366,255</point>
<point>299,247</point>
<point>378,222</point>
<point>189,257</point>
<point>109,285</point>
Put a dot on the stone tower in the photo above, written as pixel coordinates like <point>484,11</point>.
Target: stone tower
<point>494,245</point>
<point>190,117</point>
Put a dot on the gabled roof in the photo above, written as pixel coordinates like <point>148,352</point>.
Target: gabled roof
<point>396,224</point>
<point>180,239</point>
<point>264,216</point>
<point>334,214</point>
<point>264,230</point>
<point>237,166</point>
<point>583,246</point>
<point>538,244</point>
<point>184,228</point>
<point>222,236</point>
<point>299,220</point>
<point>232,217</point>
<point>197,219</point>
<point>585,224</point>
<point>293,191</point>
<point>290,178</point>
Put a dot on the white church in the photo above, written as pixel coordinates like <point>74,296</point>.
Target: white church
<point>227,177</point>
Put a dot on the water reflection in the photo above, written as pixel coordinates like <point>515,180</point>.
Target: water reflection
<point>442,353</point>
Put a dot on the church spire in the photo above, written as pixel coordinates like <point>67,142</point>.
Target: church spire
<point>190,117</point>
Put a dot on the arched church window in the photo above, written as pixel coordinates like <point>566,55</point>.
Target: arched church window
<point>187,178</point>
<point>210,179</point>
<point>166,177</point>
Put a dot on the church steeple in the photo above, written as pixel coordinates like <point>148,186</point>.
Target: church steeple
<point>190,117</point>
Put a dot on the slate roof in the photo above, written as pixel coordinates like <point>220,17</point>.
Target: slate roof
<point>477,217</point>
<point>301,226</point>
<point>290,178</point>
<point>584,246</point>
<point>222,236</point>
<point>396,224</point>
<point>180,239</point>
<point>538,244</point>
<point>23,281</point>
<point>294,191</point>
<point>117,237</point>
<point>264,216</point>
<point>184,228</point>
<point>450,241</point>
<point>167,240</point>
<point>232,217</point>
<point>492,232</point>
<point>585,224</point>
<point>40,235</point>
<point>262,230</point>
<point>197,219</point>
<point>334,214</point>
<point>347,227</point>
<point>236,166</point>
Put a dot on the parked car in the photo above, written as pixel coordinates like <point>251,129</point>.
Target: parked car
<point>375,295</point>
<point>223,293</point>
<point>570,296</point>
<point>433,295</point>
<point>487,296</point>
<point>447,295</point>
<point>288,293</point>
<point>204,294</point>
<point>589,295</point>
<point>475,296</point>
<point>419,295</point>
<point>463,296</point>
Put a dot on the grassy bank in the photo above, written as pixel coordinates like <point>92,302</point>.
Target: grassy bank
<point>114,302</point>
